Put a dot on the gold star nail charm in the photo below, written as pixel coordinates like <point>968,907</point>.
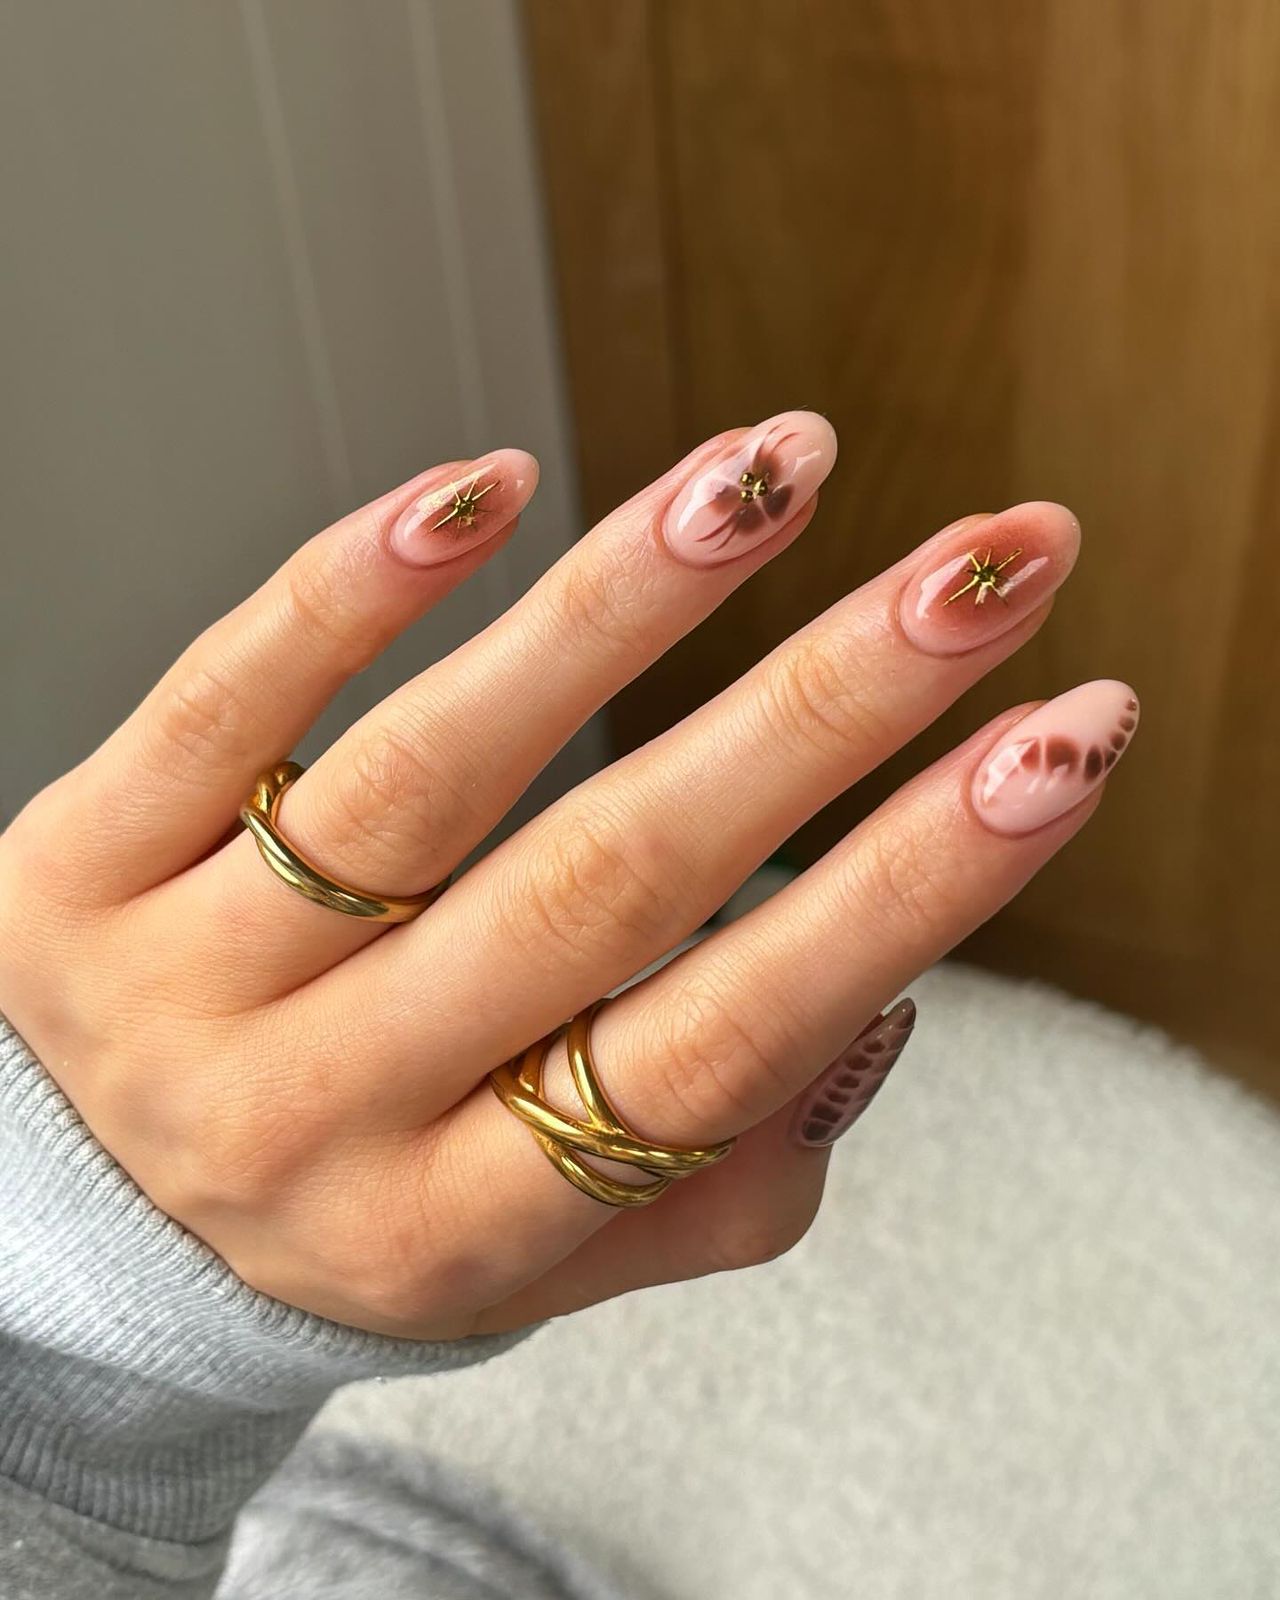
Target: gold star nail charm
<point>465,509</point>
<point>984,578</point>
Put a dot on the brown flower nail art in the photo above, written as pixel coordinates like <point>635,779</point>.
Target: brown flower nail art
<point>743,498</point>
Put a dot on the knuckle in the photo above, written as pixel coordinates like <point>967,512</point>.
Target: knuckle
<point>404,1285</point>
<point>385,776</point>
<point>382,796</point>
<point>33,850</point>
<point>890,879</point>
<point>377,1270</point>
<point>752,1241</point>
<point>395,792</point>
<point>596,880</point>
<point>203,713</point>
<point>821,704</point>
<point>224,1153</point>
<point>402,1255</point>
<point>594,601</point>
<point>712,1064</point>
<point>585,604</point>
<point>228,1165</point>
<point>388,1297</point>
<point>318,612</point>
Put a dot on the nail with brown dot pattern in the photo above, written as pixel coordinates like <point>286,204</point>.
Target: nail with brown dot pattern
<point>1049,761</point>
<point>838,1098</point>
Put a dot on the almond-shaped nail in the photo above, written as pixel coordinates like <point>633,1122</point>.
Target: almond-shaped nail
<point>454,511</point>
<point>844,1091</point>
<point>748,493</point>
<point>1056,755</point>
<point>976,583</point>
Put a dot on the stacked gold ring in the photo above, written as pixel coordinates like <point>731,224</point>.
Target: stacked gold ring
<point>602,1134</point>
<point>287,862</point>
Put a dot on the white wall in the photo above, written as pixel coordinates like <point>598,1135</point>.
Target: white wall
<point>261,260</point>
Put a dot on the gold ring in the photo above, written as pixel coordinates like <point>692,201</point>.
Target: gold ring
<point>603,1134</point>
<point>259,815</point>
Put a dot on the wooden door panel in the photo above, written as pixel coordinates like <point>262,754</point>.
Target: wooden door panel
<point>1019,250</point>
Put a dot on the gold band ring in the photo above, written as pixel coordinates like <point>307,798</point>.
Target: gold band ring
<point>603,1134</point>
<point>259,815</point>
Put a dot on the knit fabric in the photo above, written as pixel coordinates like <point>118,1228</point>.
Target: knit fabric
<point>357,1519</point>
<point>145,1391</point>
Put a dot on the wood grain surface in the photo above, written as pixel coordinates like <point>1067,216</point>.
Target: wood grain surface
<point>1026,249</point>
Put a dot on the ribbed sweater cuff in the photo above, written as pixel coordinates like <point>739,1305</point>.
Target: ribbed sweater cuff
<point>142,1383</point>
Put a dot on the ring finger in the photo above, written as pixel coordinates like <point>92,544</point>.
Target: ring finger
<point>732,1031</point>
<point>622,869</point>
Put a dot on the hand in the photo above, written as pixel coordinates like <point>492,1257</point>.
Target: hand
<point>308,1091</point>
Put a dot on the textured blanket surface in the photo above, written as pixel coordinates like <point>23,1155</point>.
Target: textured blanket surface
<point>1030,1351</point>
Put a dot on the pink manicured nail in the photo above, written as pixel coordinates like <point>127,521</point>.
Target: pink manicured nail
<point>745,496</point>
<point>848,1086</point>
<point>978,582</point>
<point>453,512</point>
<point>1049,761</point>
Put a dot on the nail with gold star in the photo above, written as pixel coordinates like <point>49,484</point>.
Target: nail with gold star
<point>984,577</point>
<point>465,507</point>
<point>1021,556</point>
<point>448,512</point>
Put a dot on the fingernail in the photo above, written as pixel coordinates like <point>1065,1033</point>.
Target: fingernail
<point>1049,761</point>
<point>844,1091</point>
<point>750,491</point>
<point>976,584</point>
<point>454,512</point>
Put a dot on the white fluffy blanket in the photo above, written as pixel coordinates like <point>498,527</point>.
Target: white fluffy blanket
<point>1031,1350</point>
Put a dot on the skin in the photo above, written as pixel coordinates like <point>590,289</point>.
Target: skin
<point>308,1093</point>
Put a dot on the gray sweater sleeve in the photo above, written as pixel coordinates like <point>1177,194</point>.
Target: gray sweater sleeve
<point>145,1391</point>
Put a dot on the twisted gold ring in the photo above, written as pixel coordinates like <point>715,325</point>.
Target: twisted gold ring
<point>603,1134</point>
<point>259,815</point>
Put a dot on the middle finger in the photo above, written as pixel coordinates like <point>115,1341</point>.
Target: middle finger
<point>414,786</point>
<point>631,862</point>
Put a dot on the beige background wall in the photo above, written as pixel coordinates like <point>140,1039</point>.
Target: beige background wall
<point>261,260</point>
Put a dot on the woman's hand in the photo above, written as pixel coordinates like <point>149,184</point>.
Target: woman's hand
<point>307,1091</point>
